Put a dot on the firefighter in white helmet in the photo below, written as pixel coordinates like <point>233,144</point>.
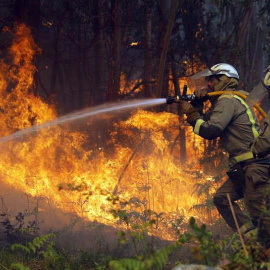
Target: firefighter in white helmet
<point>234,122</point>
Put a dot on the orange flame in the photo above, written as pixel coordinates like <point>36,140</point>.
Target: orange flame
<point>71,170</point>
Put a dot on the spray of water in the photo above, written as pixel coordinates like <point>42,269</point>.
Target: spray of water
<point>105,108</point>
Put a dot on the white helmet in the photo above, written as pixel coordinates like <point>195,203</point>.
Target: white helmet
<point>218,69</point>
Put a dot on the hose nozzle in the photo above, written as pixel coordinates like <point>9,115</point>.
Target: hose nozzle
<point>177,99</point>
<point>170,100</point>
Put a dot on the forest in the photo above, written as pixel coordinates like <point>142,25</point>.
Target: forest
<point>97,171</point>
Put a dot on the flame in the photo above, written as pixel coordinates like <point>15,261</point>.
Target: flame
<point>19,107</point>
<point>127,85</point>
<point>70,167</point>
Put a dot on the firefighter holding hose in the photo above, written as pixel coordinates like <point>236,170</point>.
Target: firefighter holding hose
<point>234,122</point>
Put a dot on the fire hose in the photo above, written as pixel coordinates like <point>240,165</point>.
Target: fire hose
<point>176,99</point>
<point>257,106</point>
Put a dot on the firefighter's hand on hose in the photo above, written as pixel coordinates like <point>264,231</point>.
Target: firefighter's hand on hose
<point>201,94</point>
<point>189,110</point>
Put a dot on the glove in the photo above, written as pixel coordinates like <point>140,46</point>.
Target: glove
<point>201,94</point>
<point>184,106</point>
<point>189,110</point>
<point>198,105</point>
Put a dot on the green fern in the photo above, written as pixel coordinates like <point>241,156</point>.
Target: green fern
<point>19,266</point>
<point>40,241</point>
<point>155,261</point>
<point>22,247</point>
<point>128,264</point>
<point>50,253</point>
<point>32,247</point>
<point>159,259</point>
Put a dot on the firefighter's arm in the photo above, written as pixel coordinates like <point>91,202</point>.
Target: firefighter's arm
<point>219,119</point>
<point>191,113</point>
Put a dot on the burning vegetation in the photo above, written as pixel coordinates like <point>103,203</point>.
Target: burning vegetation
<point>90,166</point>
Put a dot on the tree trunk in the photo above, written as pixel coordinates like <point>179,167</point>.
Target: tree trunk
<point>147,52</point>
<point>80,68</point>
<point>115,62</point>
<point>182,130</point>
<point>257,67</point>
<point>55,62</point>
<point>165,47</point>
<point>99,84</point>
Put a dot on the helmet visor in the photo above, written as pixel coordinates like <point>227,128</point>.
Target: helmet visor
<point>202,74</point>
<point>196,84</point>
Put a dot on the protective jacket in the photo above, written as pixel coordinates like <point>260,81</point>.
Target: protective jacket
<point>234,122</point>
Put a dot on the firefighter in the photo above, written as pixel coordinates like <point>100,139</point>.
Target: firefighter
<point>257,177</point>
<point>233,121</point>
<point>261,146</point>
